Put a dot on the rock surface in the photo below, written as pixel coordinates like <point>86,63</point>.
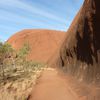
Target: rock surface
<point>80,51</point>
<point>43,43</point>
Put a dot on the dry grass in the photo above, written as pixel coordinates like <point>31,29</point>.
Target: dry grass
<point>18,83</point>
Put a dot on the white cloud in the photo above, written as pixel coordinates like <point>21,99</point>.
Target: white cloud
<point>31,9</point>
<point>17,19</point>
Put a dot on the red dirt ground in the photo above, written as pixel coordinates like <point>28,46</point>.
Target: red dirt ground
<point>56,85</point>
<point>51,86</point>
<point>43,43</point>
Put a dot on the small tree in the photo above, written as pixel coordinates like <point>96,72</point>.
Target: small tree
<point>5,52</point>
<point>24,51</point>
<point>22,54</point>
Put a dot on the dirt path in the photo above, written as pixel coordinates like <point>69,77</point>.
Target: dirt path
<point>52,86</point>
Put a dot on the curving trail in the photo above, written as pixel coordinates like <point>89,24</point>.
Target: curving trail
<point>52,86</point>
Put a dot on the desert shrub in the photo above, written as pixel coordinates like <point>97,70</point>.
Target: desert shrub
<point>15,62</point>
<point>5,52</point>
<point>16,72</point>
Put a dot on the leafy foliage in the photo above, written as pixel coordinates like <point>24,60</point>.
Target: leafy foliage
<point>5,52</point>
<point>12,61</point>
<point>5,49</point>
<point>16,72</point>
<point>24,51</point>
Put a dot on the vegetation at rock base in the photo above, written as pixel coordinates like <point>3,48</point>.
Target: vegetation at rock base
<point>17,74</point>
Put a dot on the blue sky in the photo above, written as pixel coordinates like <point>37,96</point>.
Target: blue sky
<point>16,15</point>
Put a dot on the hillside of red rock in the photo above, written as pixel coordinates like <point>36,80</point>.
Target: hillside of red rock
<point>80,51</point>
<point>43,43</point>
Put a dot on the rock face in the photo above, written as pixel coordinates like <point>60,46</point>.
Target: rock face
<point>80,51</point>
<point>43,43</point>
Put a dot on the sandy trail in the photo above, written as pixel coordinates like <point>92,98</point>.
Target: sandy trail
<point>52,86</point>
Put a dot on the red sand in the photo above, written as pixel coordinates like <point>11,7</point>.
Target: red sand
<point>52,86</point>
<point>56,85</point>
<point>43,43</point>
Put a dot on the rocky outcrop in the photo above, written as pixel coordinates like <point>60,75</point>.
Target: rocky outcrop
<point>43,43</point>
<point>80,51</point>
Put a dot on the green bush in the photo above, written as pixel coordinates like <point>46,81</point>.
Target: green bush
<point>12,61</point>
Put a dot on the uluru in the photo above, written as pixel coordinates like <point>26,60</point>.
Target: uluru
<point>80,51</point>
<point>43,43</point>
